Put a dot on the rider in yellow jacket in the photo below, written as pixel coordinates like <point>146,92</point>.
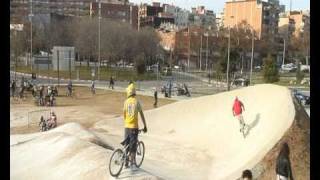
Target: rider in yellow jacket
<point>130,113</point>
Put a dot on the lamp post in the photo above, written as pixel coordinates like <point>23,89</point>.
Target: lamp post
<point>30,16</point>
<point>252,55</point>
<point>99,44</point>
<point>207,53</point>
<point>284,50</point>
<point>228,87</point>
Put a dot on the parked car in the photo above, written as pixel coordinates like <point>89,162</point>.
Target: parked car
<point>289,67</point>
<point>305,68</point>
<point>240,82</point>
<point>302,99</point>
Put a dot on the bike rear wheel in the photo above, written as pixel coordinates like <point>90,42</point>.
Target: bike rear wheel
<point>116,162</point>
<point>139,153</point>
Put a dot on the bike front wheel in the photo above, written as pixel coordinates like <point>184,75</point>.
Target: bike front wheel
<point>139,153</point>
<point>116,162</point>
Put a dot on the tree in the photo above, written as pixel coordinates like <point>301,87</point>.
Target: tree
<point>270,70</point>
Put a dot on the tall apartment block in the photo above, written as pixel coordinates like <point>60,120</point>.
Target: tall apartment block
<point>262,16</point>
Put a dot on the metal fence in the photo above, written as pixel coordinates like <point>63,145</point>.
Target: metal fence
<point>34,116</point>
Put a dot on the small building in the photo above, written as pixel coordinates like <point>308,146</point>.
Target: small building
<point>64,56</point>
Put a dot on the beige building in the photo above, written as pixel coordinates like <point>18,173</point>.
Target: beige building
<point>302,22</point>
<point>286,25</point>
<point>260,15</point>
<point>293,23</point>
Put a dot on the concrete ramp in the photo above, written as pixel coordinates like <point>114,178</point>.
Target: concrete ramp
<point>192,139</point>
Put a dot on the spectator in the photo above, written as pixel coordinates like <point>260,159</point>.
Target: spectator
<point>283,165</point>
<point>155,98</point>
<point>246,175</point>
<point>111,82</point>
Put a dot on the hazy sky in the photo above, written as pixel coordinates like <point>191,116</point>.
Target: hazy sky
<point>217,5</point>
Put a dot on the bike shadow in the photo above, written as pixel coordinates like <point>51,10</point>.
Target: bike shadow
<point>253,124</point>
<point>128,173</point>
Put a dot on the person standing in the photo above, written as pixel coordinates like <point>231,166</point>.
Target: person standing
<point>237,109</point>
<point>246,175</point>
<point>111,82</point>
<point>155,98</point>
<point>283,165</point>
<point>13,88</point>
<point>130,114</point>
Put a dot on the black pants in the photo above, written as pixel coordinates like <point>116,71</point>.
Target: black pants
<point>132,134</point>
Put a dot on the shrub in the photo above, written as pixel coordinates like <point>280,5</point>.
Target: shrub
<point>270,70</point>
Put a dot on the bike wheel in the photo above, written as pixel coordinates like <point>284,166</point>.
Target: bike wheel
<point>116,162</point>
<point>139,153</point>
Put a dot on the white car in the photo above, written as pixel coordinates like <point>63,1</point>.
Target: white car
<point>305,68</point>
<point>288,67</point>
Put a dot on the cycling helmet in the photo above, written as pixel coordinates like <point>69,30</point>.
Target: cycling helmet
<point>131,90</point>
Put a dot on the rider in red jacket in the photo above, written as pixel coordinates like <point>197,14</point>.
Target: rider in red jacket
<point>237,109</point>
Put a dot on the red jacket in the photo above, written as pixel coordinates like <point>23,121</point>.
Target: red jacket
<point>237,107</point>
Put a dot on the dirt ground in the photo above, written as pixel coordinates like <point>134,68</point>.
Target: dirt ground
<point>83,108</point>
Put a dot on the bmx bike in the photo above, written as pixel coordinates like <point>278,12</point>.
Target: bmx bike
<point>121,155</point>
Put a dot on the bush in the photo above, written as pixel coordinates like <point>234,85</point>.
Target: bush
<point>270,70</point>
<point>140,64</point>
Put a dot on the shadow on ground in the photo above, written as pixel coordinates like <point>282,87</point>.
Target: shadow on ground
<point>253,124</point>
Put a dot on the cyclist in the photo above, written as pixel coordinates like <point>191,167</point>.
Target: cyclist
<point>237,111</point>
<point>130,112</point>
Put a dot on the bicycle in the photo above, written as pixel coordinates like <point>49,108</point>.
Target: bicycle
<point>120,156</point>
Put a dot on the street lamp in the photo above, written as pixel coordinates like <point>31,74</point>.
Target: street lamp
<point>284,50</point>
<point>99,56</point>
<point>30,16</point>
<point>228,87</point>
<point>252,49</point>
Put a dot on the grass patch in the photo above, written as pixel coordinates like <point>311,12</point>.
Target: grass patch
<point>85,73</point>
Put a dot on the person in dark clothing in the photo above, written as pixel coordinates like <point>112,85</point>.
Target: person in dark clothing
<point>283,165</point>
<point>111,82</point>
<point>170,87</point>
<point>13,88</point>
<point>155,98</point>
<point>246,175</point>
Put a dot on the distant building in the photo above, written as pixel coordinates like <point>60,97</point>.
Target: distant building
<point>153,15</point>
<point>262,16</point>
<point>181,16</point>
<point>302,22</point>
<point>202,17</point>
<point>286,25</point>
<point>294,23</point>
<point>64,58</point>
<point>120,12</point>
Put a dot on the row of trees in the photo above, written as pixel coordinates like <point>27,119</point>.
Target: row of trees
<point>118,41</point>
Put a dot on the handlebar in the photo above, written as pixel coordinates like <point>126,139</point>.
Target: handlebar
<point>140,130</point>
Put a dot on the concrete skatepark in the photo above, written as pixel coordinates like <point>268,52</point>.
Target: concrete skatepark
<point>190,139</point>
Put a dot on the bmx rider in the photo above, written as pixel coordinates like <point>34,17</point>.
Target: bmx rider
<point>130,113</point>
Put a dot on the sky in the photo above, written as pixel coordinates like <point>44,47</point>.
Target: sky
<point>217,5</point>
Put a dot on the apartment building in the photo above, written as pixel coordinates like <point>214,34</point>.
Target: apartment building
<point>302,22</point>
<point>119,12</point>
<point>200,16</point>
<point>262,16</point>
<point>20,9</point>
<point>153,15</point>
<point>181,16</point>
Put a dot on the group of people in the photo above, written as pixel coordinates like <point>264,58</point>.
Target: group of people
<point>50,123</point>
